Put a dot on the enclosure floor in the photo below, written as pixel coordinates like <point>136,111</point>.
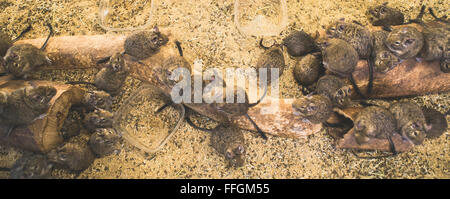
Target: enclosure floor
<point>208,33</point>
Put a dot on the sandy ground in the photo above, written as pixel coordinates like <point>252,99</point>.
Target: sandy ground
<point>208,33</point>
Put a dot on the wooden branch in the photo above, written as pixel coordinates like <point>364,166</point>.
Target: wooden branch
<point>43,134</point>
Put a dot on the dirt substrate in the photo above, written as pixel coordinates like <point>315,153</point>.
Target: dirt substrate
<point>208,33</point>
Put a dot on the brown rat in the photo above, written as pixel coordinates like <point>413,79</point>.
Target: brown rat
<point>96,99</point>
<point>271,58</point>
<point>299,43</point>
<point>113,75</point>
<point>99,118</point>
<point>384,15</point>
<point>358,36</point>
<point>22,59</point>
<point>229,141</point>
<point>405,42</point>
<point>103,141</point>
<point>74,155</point>
<point>335,89</point>
<point>315,108</point>
<point>410,121</point>
<point>307,70</point>
<point>143,44</point>
<point>374,122</point>
<point>339,57</point>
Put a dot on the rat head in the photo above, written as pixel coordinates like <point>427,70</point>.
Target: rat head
<point>377,15</point>
<point>158,39</point>
<point>102,141</point>
<point>315,108</point>
<point>405,42</point>
<point>60,155</point>
<point>235,155</point>
<point>336,29</point>
<point>39,97</point>
<point>385,60</point>
<point>14,58</point>
<point>342,95</point>
<point>414,132</point>
<point>100,118</point>
<point>97,99</point>
<point>172,68</point>
<point>117,62</point>
<point>361,134</point>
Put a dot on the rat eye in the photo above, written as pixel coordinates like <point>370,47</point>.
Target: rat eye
<point>240,150</point>
<point>409,41</point>
<point>311,108</point>
<point>229,155</point>
<point>155,39</point>
<point>382,10</point>
<point>415,126</point>
<point>341,28</point>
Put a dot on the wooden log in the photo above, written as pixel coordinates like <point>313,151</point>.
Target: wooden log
<point>43,134</point>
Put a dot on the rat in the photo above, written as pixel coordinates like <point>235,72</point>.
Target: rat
<point>93,99</point>
<point>103,142</point>
<point>74,155</point>
<point>6,42</point>
<point>358,36</point>
<point>31,166</point>
<point>405,42</point>
<point>99,118</point>
<point>22,59</point>
<point>410,121</point>
<point>272,57</point>
<point>229,141</point>
<point>143,44</point>
<point>315,108</point>
<point>24,105</point>
<point>112,77</point>
<point>384,60</point>
<point>335,89</point>
<point>375,122</point>
<point>307,70</point>
<point>299,43</point>
<point>384,15</point>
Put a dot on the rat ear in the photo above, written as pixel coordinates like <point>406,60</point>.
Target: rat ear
<point>156,29</point>
<point>342,19</point>
<point>385,3</point>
